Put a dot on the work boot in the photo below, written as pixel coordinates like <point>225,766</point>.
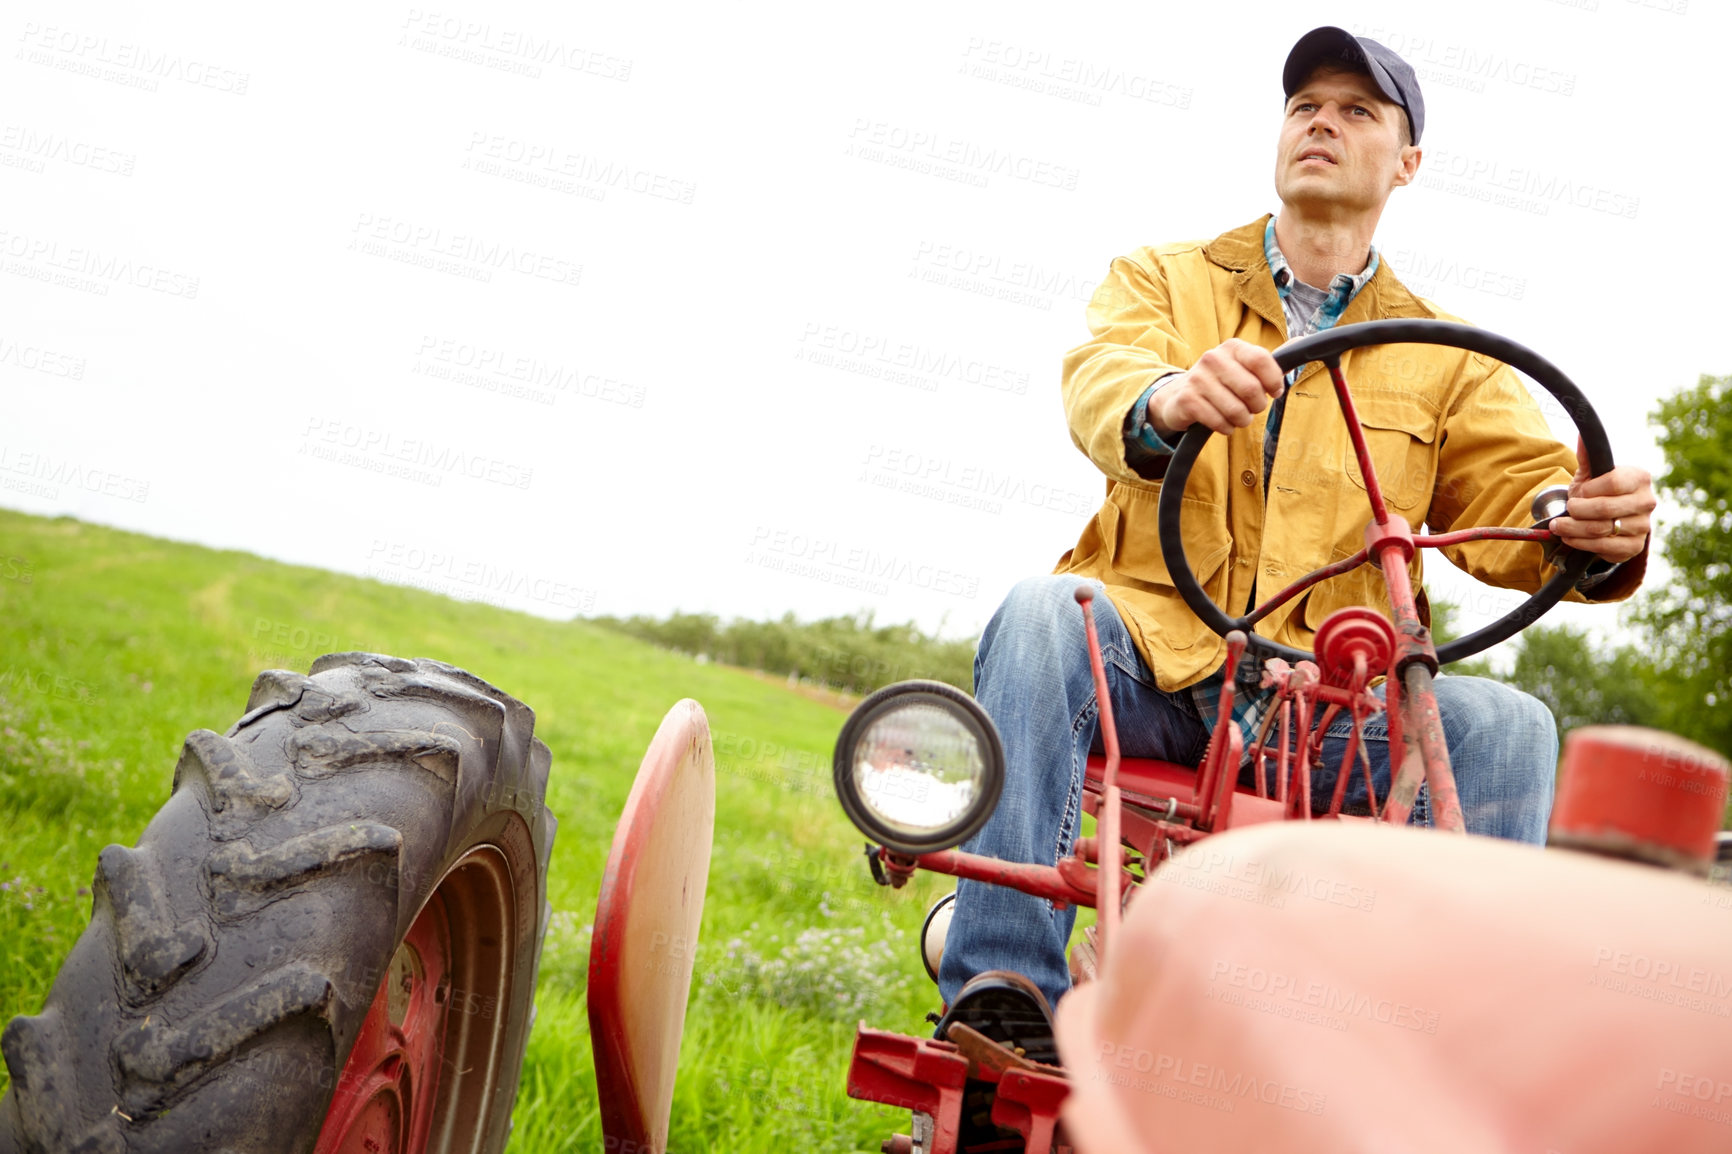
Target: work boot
<point>1010,1010</point>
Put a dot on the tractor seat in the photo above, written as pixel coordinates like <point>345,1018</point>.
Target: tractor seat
<point>1145,781</point>
<point>1148,783</point>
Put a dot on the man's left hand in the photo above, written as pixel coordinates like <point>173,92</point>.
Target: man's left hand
<point>1609,515</point>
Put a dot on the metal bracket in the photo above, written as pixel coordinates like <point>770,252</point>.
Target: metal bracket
<point>876,863</point>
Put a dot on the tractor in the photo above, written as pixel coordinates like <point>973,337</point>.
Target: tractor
<point>1221,1006</point>
<point>1267,971</point>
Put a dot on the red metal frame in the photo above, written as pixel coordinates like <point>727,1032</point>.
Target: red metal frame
<point>930,1077</point>
<point>1029,1102</point>
<point>918,1074</point>
<point>1111,866</point>
<point>1150,807</point>
<point>1640,794</point>
<point>646,926</point>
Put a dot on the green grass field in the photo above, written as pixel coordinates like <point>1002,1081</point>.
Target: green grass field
<point>114,646</point>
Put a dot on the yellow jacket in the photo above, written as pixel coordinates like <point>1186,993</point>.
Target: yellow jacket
<point>1457,439</point>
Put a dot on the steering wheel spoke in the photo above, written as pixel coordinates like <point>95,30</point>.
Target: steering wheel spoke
<point>1316,576</point>
<point>1355,430</point>
<point>1484,533</point>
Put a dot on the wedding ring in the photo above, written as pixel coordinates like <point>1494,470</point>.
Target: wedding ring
<point>1617,527</point>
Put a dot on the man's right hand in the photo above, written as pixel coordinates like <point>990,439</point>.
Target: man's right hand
<point>1225,390</point>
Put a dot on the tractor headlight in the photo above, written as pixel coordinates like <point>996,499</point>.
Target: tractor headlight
<point>919,766</point>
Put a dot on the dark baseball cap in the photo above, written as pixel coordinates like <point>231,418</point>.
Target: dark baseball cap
<point>1336,46</point>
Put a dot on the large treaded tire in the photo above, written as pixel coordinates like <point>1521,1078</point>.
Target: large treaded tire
<point>233,953</point>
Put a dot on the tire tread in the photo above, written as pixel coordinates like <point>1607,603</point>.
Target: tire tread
<point>242,926</point>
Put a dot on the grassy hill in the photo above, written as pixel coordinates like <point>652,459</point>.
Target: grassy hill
<point>113,646</point>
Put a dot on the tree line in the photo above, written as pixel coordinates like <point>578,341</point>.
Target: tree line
<point>850,654</point>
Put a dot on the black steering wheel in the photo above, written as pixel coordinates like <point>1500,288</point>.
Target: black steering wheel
<point>1327,346</point>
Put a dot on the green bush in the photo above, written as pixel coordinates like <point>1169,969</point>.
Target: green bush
<point>851,654</point>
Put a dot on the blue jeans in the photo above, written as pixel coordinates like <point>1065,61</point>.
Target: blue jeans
<point>1032,676</point>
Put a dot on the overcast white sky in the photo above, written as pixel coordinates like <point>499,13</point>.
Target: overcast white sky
<point>747,308</point>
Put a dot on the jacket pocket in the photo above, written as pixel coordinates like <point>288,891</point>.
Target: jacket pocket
<point>1133,536</point>
<point>1400,432</point>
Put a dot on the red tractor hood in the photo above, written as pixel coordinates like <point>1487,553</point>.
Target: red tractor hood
<point>1343,987</point>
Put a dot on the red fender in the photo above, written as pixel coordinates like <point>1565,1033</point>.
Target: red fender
<point>646,932</point>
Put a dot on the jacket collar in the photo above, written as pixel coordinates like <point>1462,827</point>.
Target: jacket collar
<point>1241,253</point>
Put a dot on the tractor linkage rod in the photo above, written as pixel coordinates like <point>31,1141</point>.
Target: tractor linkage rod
<point>1111,849</point>
<point>1391,541</point>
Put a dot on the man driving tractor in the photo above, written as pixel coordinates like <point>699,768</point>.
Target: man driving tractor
<point>1183,335</point>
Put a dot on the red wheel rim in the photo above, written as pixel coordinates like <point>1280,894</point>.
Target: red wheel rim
<point>421,1072</point>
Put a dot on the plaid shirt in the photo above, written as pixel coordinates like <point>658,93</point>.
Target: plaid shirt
<point>1307,310</point>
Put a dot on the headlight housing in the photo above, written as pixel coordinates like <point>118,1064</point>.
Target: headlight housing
<point>919,767</point>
